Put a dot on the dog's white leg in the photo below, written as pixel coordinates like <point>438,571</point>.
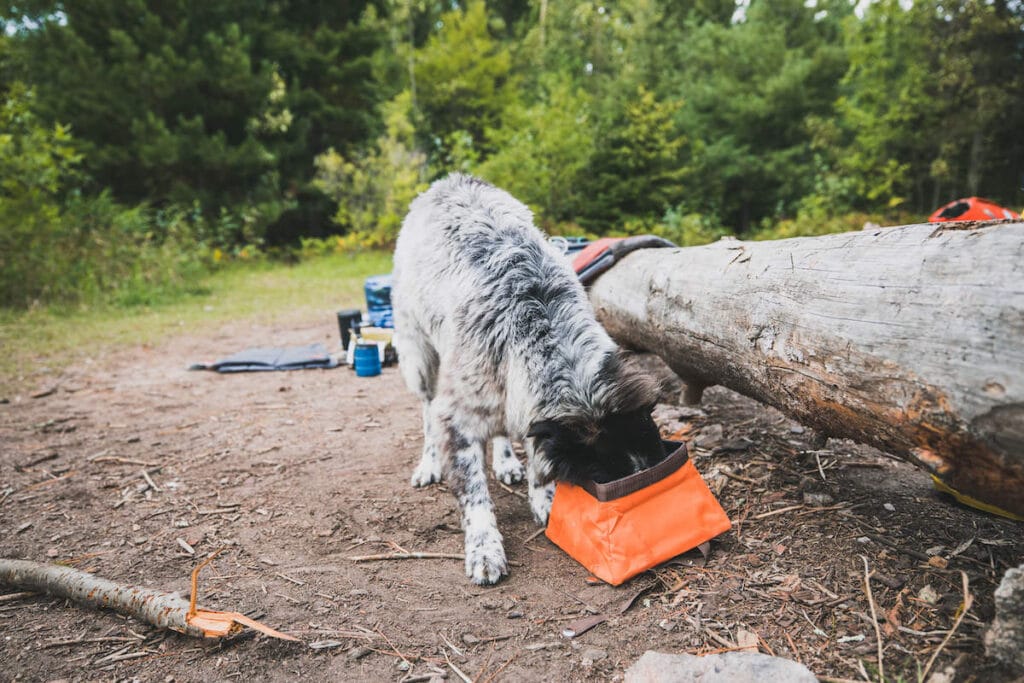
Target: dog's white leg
<point>429,470</point>
<point>507,467</point>
<point>485,554</point>
<point>539,495</point>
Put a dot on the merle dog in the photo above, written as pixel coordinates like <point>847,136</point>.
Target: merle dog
<point>496,336</point>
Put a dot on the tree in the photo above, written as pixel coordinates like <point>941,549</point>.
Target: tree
<point>463,82</point>
<point>223,104</point>
<point>749,89</point>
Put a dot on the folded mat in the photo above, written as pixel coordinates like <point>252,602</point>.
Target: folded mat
<point>288,358</point>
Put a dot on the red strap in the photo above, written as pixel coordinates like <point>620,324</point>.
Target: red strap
<point>592,252</point>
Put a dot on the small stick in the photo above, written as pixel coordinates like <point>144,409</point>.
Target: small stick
<point>817,459</point>
<point>124,461</point>
<point>512,491</point>
<point>82,641</point>
<point>449,644</point>
<point>458,672</point>
<point>120,658</point>
<point>792,645</point>
<point>500,669</point>
<point>407,556</point>
<point>739,477</point>
<point>874,619</point>
<point>777,512</point>
<point>392,646</point>
<point>534,535</point>
<point>195,581</point>
<point>149,480</point>
<point>16,596</point>
<point>47,482</point>
<point>288,578</point>
<point>968,601</point>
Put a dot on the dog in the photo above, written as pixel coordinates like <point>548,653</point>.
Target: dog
<point>497,338</point>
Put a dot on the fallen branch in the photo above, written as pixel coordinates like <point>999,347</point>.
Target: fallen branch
<point>407,556</point>
<point>160,609</point>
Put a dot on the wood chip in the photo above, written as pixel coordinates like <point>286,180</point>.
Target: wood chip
<point>185,546</point>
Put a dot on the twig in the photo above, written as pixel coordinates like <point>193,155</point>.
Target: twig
<point>16,596</point>
<point>968,601</point>
<point>892,544</point>
<point>512,491</point>
<point>47,482</point>
<point>195,581</point>
<point>499,669</point>
<point>874,619</point>
<point>739,477</point>
<point>395,649</point>
<point>777,512</point>
<point>817,459</point>
<point>84,641</point>
<point>290,579</point>
<point>407,556</point>
<point>792,645</point>
<point>534,535</point>
<point>457,670</point>
<point>120,658</point>
<point>149,480</point>
<point>124,461</point>
<point>449,644</point>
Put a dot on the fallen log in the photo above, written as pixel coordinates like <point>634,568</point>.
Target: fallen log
<point>910,339</point>
<point>155,607</point>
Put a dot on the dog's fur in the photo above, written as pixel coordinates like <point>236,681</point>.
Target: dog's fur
<point>497,337</point>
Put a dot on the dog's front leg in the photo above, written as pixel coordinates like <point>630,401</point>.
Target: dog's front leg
<point>485,555</point>
<point>429,470</point>
<point>540,495</point>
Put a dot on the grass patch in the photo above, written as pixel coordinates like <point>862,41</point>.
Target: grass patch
<point>45,340</point>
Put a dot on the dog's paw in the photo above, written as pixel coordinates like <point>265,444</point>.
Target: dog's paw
<point>485,560</point>
<point>508,469</point>
<point>427,472</point>
<point>540,503</point>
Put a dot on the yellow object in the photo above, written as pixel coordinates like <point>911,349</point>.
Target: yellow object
<point>376,334</point>
<point>973,502</point>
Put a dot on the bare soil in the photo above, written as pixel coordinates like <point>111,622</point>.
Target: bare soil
<point>295,473</point>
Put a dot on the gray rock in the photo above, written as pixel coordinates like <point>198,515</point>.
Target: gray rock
<point>593,654</point>
<point>710,437</point>
<point>729,667</point>
<point>1005,638</point>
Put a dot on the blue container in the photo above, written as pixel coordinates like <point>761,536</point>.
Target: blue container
<point>378,300</point>
<point>366,359</point>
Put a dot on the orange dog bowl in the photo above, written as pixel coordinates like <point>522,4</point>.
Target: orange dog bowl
<point>620,529</point>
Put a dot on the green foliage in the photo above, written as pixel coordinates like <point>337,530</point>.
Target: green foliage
<point>637,171</point>
<point>211,131</point>
<point>373,191</point>
<point>57,245</point>
<point>463,80</point>
<point>543,151</point>
<point>219,103</point>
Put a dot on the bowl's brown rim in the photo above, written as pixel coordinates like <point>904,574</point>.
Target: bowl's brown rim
<point>623,487</point>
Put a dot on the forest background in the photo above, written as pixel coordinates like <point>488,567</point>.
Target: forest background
<point>145,143</point>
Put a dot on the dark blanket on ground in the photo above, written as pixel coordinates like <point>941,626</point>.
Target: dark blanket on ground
<point>289,358</point>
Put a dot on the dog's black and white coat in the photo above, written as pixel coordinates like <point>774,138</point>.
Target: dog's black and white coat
<point>497,337</point>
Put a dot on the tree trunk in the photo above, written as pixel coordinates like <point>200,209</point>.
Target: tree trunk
<point>910,339</point>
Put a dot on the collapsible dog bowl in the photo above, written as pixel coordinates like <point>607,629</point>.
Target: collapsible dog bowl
<point>620,529</point>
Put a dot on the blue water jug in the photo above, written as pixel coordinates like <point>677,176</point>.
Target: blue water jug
<point>366,360</point>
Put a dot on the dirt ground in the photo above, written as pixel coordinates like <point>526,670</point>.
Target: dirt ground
<point>292,474</point>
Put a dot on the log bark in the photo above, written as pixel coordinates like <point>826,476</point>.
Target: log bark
<point>910,339</point>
